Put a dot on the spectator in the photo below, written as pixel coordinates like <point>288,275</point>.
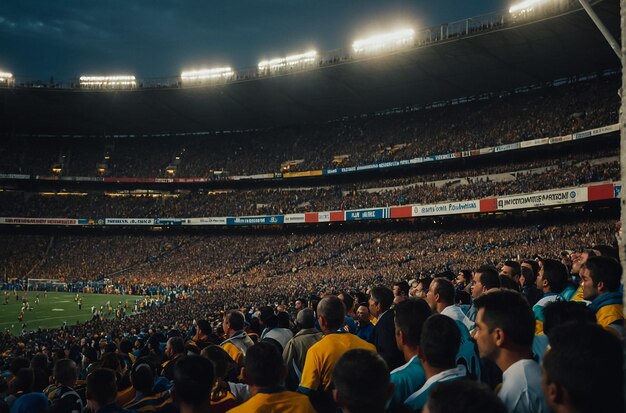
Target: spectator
<point>511,270</point>
<point>410,316</point>
<point>368,394</point>
<point>264,372</point>
<point>63,398</point>
<point>365,328</point>
<point>323,355</point>
<point>440,297</point>
<point>380,301</point>
<point>222,399</point>
<point>439,345</point>
<point>485,279</point>
<point>237,341</point>
<point>583,370</point>
<point>400,291</point>
<point>148,397</point>
<point>101,391</point>
<point>174,348</point>
<point>193,383</point>
<point>600,279</point>
<point>463,396</point>
<point>295,352</point>
<point>551,280</point>
<point>504,334</point>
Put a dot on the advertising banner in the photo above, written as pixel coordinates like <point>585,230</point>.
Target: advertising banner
<point>448,208</point>
<point>401,212</point>
<point>128,221</point>
<point>205,221</point>
<point>256,220</point>
<point>559,139</point>
<point>596,131</point>
<point>37,221</point>
<point>535,142</point>
<point>168,221</point>
<point>600,192</point>
<point>294,218</point>
<point>507,147</point>
<point>302,174</point>
<point>374,213</point>
<point>539,199</point>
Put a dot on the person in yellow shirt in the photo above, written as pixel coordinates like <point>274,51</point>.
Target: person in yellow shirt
<point>264,372</point>
<point>600,282</point>
<point>323,355</point>
<point>237,342</point>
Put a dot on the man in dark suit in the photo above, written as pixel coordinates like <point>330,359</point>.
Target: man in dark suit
<point>380,301</point>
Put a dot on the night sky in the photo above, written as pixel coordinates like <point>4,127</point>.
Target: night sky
<point>63,39</point>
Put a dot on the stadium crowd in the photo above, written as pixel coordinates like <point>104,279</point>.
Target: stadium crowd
<point>263,262</point>
<point>457,186</point>
<point>327,321</point>
<point>480,315</point>
<point>492,120</point>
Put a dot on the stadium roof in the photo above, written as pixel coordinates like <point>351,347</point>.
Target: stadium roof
<point>502,59</point>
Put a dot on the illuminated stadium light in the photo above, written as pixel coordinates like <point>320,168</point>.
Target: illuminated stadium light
<point>524,6</point>
<point>385,42</point>
<point>6,79</point>
<point>218,73</point>
<point>108,82</point>
<point>297,60</point>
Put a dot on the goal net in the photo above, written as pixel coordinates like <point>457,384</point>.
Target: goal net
<point>45,284</point>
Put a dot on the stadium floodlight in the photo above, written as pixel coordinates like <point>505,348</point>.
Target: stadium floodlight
<point>5,76</point>
<point>297,60</point>
<point>218,73</point>
<point>108,82</point>
<point>385,41</point>
<point>524,6</point>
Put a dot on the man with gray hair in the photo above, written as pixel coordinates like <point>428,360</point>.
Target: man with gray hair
<point>295,351</point>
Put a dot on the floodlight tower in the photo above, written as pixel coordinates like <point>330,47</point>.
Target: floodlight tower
<point>622,122</point>
<point>622,117</point>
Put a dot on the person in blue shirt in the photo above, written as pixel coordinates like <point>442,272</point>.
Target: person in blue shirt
<point>365,328</point>
<point>439,345</point>
<point>410,377</point>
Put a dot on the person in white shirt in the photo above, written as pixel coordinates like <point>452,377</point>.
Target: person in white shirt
<point>440,297</point>
<point>439,343</point>
<point>504,332</point>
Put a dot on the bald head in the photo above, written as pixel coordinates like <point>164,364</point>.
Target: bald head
<point>333,311</point>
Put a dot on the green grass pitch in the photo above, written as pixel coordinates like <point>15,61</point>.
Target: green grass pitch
<point>54,310</point>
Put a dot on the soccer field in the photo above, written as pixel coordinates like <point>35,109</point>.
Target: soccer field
<point>51,312</point>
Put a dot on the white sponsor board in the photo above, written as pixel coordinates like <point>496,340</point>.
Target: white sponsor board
<point>37,221</point>
<point>559,139</point>
<point>205,221</point>
<point>129,221</point>
<point>448,208</point>
<point>597,131</point>
<point>539,199</point>
<point>535,142</point>
<point>323,216</point>
<point>294,218</point>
